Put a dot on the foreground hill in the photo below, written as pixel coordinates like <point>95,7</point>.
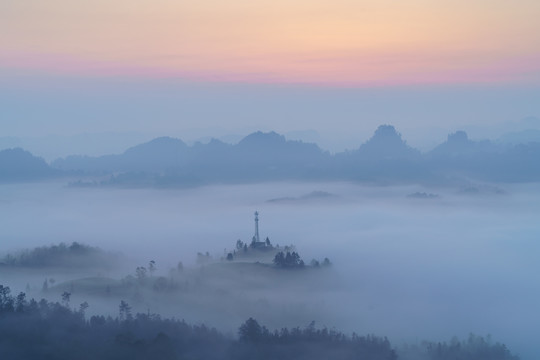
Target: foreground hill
<point>48,330</point>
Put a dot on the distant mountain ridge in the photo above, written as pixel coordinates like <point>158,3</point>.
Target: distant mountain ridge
<point>386,143</point>
<point>270,156</point>
<point>258,156</point>
<point>20,165</point>
<point>385,157</point>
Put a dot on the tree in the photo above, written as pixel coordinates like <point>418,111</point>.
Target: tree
<point>6,300</point>
<point>239,244</point>
<point>65,298</point>
<point>160,284</point>
<point>20,302</point>
<point>124,311</point>
<point>83,307</point>
<point>152,267</point>
<point>250,331</point>
<point>140,273</point>
<point>288,260</point>
<point>230,257</point>
<point>279,259</point>
<point>203,258</point>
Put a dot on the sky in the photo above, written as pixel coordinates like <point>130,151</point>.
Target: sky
<point>218,67</point>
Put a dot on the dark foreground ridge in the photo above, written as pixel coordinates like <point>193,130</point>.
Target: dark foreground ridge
<point>54,330</point>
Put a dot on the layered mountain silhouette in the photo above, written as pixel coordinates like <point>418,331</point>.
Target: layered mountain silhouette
<point>20,165</point>
<point>458,145</point>
<point>385,157</point>
<point>259,156</point>
<point>520,137</point>
<point>160,154</point>
<point>387,144</point>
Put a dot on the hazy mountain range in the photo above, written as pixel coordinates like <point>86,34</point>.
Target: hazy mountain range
<point>20,165</point>
<point>385,157</point>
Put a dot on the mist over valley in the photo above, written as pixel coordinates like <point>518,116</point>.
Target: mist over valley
<point>407,266</point>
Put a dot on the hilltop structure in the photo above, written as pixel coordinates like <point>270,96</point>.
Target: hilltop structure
<point>256,241</point>
<point>256,236</point>
<point>266,253</point>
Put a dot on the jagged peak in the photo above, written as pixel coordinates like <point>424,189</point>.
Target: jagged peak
<point>385,135</point>
<point>386,131</point>
<point>459,136</point>
<point>166,140</point>
<point>386,142</point>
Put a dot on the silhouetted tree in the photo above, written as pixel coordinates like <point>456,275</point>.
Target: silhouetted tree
<point>152,267</point>
<point>250,331</point>
<point>49,330</point>
<point>140,273</point>
<point>20,303</point>
<point>65,298</point>
<point>288,260</point>
<point>124,311</point>
<point>239,244</point>
<point>82,308</point>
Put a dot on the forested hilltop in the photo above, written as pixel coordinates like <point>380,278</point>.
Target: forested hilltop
<point>56,330</point>
<point>75,255</point>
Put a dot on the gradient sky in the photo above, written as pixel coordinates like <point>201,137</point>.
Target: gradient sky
<point>149,65</point>
<point>340,42</point>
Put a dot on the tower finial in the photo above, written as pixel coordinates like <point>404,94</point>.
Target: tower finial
<point>256,236</point>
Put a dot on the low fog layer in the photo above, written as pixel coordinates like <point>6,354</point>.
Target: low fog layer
<point>407,266</point>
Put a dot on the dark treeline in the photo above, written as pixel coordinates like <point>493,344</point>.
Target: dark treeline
<point>474,348</point>
<point>53,330</point>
